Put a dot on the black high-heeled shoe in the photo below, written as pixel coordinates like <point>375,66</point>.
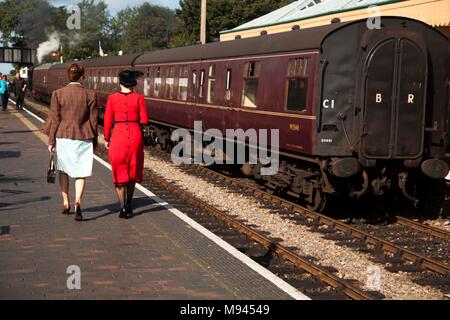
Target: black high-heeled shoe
<point>65,210</point>
<point>78,215</point>
<point>129,209</point>
<point>123,214</point>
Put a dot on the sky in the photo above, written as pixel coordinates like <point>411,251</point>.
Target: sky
<point>113,5</point>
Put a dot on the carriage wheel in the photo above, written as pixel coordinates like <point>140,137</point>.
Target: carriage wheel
<point>320,201</point>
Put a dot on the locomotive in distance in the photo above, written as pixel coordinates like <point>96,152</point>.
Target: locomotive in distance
<point>359,111</point>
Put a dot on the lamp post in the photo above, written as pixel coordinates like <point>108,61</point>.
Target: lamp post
<point>203,22</point>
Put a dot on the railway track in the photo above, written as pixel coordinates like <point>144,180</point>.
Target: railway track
<point>430,230</point>
<point>416,260</point>
<point>363,236</point>
<point>271,246</point>
<point>378,244</point>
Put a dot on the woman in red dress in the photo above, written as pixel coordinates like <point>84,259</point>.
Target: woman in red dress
<point>126,111</point>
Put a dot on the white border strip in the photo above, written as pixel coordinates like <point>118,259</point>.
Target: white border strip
<point>280,283</point>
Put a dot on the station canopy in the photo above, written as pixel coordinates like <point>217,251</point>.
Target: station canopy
<point>305,9</point>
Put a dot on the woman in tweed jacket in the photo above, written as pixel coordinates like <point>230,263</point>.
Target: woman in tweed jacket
<point>72,129</point>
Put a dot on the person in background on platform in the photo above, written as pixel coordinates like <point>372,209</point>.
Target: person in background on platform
<point>2,91</point>
<point>127,110</point>
<point>19,88</point>
<point>7,91</point>
<point>73,129</point>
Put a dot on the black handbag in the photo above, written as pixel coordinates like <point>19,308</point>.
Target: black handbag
<point>51,172</point>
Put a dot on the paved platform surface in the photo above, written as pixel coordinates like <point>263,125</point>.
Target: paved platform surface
<point>152,256</point>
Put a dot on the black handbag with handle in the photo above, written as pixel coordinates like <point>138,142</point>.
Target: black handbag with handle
<point>51,172</point>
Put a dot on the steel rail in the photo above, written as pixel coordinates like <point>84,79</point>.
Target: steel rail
<point>342,285</point>
<point>433,231</point>
<point>367,238</point>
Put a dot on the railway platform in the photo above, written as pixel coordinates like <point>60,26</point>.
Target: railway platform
<point>159,254</point>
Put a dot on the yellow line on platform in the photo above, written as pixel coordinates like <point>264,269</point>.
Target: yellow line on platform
<point>22,117</point>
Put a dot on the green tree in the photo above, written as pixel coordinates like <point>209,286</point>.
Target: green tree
<point>22,22</point>
<point>28,23</point>
<point>119,25</point>
<point>221,15</point>
<point>9,19</point>
<point>146,27</point>
<point>95,24</point>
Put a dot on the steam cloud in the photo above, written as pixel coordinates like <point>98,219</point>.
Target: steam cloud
<point>52,44</point>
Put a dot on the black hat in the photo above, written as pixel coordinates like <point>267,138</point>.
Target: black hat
<point>128,78</point>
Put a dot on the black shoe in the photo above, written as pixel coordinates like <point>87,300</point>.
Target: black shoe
<point>65,210</point>
<point>126,213</point>
<point>123,214</point>
<point>78,215</point>
<point>129,209</point>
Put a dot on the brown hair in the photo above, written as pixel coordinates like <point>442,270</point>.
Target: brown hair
<point>75,72</point>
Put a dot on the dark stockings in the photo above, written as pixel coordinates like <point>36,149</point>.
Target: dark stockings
<point>125,194</point>
<point>130,192</point>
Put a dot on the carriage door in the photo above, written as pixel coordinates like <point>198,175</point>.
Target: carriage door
<point>396,75</point>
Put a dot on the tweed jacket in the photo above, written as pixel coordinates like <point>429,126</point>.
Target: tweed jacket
<point>73,114</point>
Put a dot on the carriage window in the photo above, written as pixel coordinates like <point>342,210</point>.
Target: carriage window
<point>146,87</point>
<point>194,82</point>
<point>170,82</point>
<point>183,84</point>
<point>297,84</point>
<point>202,82</point>
<point>147,81</point>
<point>228,86</point>
<point>250,89</point>
<point>212,83</point>
<point>157,86</point>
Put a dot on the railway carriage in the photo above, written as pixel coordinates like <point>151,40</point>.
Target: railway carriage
<point>41,89</point>
<point>358,110</point>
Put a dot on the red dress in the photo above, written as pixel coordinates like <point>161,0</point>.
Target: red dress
<point>126,149</point>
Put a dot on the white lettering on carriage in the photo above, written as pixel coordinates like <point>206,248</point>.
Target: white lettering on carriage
<point>410,99</point>
<point>379,98</point>
<point>328,104</point>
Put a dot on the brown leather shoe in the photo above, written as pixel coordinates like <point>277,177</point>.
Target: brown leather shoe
<point>66,210</point>
<point>78,215</point>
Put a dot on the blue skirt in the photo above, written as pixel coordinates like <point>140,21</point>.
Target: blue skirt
<point>75,157</point>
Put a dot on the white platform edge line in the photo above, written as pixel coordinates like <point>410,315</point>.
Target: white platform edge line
<point>277,281</point>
